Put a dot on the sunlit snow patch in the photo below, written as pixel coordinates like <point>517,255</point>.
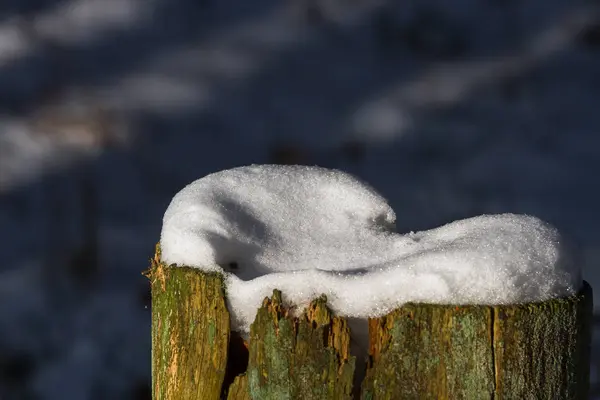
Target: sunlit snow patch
<point>309,231</point>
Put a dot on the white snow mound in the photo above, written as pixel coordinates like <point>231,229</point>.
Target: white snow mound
<point>309,231</point>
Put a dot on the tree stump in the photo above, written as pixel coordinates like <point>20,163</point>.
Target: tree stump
<point>419,351</point>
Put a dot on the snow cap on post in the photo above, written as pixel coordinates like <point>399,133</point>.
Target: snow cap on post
<point>309,231</point>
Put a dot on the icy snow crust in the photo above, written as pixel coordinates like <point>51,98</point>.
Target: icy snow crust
<point>309,231</point>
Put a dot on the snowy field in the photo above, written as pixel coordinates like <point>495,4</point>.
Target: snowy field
<point>110,107</point>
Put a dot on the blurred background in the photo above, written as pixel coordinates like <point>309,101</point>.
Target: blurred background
<point>109,107</point>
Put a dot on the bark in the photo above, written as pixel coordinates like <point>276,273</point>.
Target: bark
<point>543,350</point>
<point>419,351</point>
<point>190,332</point>
<point>525,351</point>
<point>239,389</point>
<point>306,357</point>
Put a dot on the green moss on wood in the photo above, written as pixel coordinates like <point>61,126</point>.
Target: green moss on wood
<point>190,332</point>
<point>419,351</point>
<point>424,351</point>
<point>542,350</point>
<point>430,352</point>
<point>293,358</point>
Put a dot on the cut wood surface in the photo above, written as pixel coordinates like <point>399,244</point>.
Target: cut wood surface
<point>419,351</point>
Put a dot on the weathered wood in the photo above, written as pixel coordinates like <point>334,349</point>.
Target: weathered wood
<point>190,332</point>
<point>239,389</point>
<point>529,351</point>
<point>306,356</point>
<point>430,351</point>
<point>299,358</point>
<point>419,351</point>
<point>543,350</point>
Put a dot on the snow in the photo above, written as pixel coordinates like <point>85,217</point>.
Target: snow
<point>309,231</point>
<point>84,20</point>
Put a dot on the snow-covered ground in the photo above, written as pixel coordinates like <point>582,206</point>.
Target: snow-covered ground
<point>449,110</point>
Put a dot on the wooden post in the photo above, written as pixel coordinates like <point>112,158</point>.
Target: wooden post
<point>306,357</point>
<point>190,332</point>
<point>419,351</point>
